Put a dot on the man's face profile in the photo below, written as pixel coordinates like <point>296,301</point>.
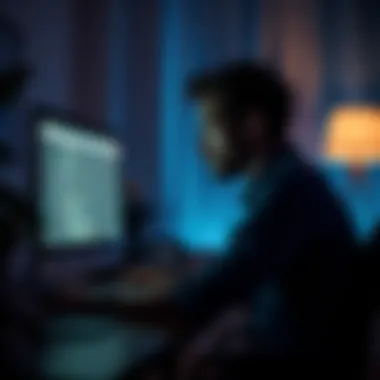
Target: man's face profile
<point>215,143</point>
<point>227,153</point>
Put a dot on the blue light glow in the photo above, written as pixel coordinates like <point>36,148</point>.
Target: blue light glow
<point>196,209</point>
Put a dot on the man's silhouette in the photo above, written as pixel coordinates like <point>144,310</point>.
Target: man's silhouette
<point>290,258</point>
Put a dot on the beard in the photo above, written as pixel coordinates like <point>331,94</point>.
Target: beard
<point>232,167</point>
<point>232,159</point>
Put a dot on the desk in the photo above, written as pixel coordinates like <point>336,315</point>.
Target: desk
<point>93,346</point>
<point>96,348</point>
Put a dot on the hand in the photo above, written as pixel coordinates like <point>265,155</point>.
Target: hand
<point>146,275</point>
<point>72,294</point>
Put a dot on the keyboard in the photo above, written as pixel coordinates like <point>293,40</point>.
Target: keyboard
<point>117,290</point>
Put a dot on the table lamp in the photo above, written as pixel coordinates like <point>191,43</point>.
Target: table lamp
<point>352,137</point>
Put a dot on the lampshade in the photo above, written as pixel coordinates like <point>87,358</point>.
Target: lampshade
<point>352,135</point>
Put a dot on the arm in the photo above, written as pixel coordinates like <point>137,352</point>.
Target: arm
<point>173,308</point>
<point>153,309</point>
<point>261,246</point>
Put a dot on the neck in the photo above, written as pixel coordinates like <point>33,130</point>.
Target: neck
<point>265,155</point>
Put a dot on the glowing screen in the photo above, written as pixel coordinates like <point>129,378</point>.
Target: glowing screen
<point>80,182</point>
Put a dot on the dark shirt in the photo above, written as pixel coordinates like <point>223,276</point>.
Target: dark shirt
<point>373,265</point>
<point>289,259</point>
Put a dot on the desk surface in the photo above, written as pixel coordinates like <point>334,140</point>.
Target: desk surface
<point>95,347</point>
<point>107,341</point>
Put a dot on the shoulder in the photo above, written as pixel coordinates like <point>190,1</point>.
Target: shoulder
<point>306,193</point>
<point>312,199</point>
<point>306,185</point>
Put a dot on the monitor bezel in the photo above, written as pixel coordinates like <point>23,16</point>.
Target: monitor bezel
<point>70,250</point>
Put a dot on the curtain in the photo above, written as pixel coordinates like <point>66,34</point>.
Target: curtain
<point>89,76</point>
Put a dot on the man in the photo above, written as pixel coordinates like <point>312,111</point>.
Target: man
<point>290,259</point>
<point>371,282</point>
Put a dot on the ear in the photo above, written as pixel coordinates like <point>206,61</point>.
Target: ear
<point>255,125</point>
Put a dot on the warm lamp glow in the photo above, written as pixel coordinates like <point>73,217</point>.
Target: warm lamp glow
<point>353,135</point>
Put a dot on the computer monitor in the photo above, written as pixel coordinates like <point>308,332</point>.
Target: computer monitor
<point>78,183</point>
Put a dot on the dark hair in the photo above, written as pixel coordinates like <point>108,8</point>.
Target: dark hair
<point>244,86</point>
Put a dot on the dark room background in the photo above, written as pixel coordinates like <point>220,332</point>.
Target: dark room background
<point>125,62</point>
